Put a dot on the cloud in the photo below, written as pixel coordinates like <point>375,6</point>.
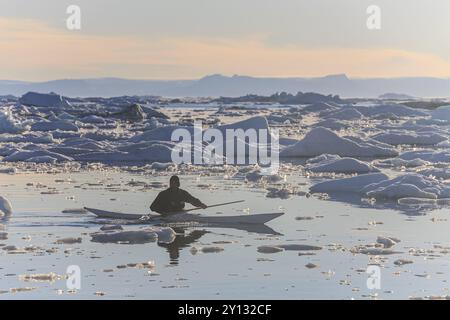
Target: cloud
<point>31,50</point>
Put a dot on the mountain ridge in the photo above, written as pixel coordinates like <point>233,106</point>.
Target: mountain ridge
<point>217,85</point>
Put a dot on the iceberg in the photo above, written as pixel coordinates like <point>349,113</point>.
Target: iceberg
<point>320,140</point>
<point>49,100</point>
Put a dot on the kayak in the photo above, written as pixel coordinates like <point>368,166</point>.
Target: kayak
<point>260,218</point>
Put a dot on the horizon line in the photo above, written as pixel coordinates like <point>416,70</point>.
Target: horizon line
<point>226,76</point>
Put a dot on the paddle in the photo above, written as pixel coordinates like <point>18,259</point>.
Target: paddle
<point>215,205</point>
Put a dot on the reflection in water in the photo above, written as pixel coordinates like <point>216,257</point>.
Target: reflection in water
<point>184,239</point>
<point>181,241</point>
<point>3,233</point>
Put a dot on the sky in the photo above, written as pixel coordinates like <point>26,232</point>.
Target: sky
<point>188,39</point>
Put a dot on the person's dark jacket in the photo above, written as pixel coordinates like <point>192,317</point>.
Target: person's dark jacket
<point>173,200</point>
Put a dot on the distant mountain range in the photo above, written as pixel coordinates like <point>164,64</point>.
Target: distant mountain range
<point>219,85</point>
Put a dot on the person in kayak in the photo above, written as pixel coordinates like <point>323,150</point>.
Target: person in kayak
<point>174,198</point>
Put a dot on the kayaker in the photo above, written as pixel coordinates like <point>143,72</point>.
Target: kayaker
<point>174,198</point>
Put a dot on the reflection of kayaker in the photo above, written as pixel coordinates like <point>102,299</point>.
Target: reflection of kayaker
<point>181,241</point>
<point>174,198</point>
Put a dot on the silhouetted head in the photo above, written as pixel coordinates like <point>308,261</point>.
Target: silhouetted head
<point>174,182</point>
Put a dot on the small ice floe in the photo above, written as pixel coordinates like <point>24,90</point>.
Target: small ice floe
<point>282,193</point>
<point>287,247</point>
<point>257,175</point>
<point>111,227</point>
<point>8,170</point>
<point>401,262</point>
<point>304,218</point>
<point>5,207</point>
<point>441,113</point>
<point>353,184</point>
<point>400,191</point>
<point>46,277</point>
<point>62,125</point>
<point>206,249</point>
<point>159,166</point>
<point>163,235</point>
<point>320,140</point>
<point>10,248</point>
<point>429,155</point>
<point>373,251</point>
<point>346,114</point>
<point>387,242</point>
<point>323,158</point>
<point>408,186</point>
<point>397,162</point>
<point>42,159</point>
<point>438,173</point>
<point>379,186</point>
<point>444,144</point>
<point>24,289</point>
<point>409,138</point>
<point>125,237</point>
<point>43,100</point>
<point>333,124</point>
<point>299,247</point>
<point>396,109</point>
<point>26,155</point>
<point>8,123</point>
<point>68,241</point>
<point>269,249</point>
<point>342,165</point>
<point>93,119</point>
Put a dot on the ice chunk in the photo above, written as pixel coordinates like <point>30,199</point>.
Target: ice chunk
<point>5,206</point>
<point>441,113</point>
<point>398,138</point>
<point>132,112</point>
<point>345,165</point>
<point>25,155</point>
<point>346,114</point>
<point>163,235</point>
<point>42,159</point>
<point>400,191</point>
<point>387,242</point>
<point>128,237</point>
<point>51,100</point>
<point>407,186</point>
<point>397,110</point>
<point>159,134</point>
<point>93,119</point>
<point>427,155</point>
<point>62,125</point>
<point>257,123</point>
<point>353,184</point>
<point>320,140</point>
<point>439,173</point>
<point>332,124</point>
<point>8,123</point>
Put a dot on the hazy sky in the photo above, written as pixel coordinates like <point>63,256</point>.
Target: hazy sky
<point>179,39</point>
